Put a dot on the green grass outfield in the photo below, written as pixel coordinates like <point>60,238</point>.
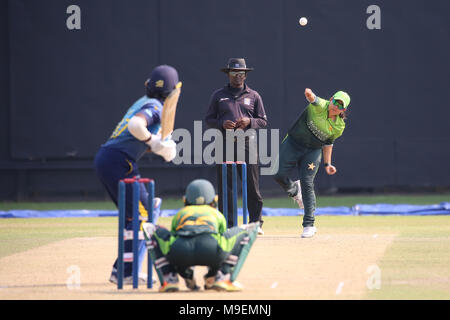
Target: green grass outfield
<point>414,266</point>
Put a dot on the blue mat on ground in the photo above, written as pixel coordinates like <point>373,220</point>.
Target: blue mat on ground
<point>402,209</point>
<point>358,210</point>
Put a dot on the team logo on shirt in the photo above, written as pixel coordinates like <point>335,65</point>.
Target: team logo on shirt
<point>159,83</point>
<point>247,101</point>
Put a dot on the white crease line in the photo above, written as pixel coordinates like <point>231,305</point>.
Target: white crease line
<point>339,288</point>
<point>274,285</point>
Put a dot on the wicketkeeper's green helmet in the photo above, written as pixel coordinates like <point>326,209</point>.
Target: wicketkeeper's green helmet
<point>199,192</point>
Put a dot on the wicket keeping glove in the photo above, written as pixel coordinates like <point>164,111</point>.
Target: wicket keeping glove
<point>149,229</point>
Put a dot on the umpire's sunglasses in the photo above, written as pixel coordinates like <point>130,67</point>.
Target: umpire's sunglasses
<point>338,104</point>
<point>235,73</point>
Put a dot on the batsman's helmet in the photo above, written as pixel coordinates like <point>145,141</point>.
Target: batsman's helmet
<point>162,81</point>
<point>199,192</point>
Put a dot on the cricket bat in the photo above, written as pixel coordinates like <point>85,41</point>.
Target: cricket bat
<point>168,112</point>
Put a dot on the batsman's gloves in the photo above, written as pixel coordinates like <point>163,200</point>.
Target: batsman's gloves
<point>166,149</point>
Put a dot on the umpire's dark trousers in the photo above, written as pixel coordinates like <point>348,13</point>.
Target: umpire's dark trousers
<point>254,198</point>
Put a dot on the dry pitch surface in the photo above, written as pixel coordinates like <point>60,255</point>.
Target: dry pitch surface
<point>279,266</point>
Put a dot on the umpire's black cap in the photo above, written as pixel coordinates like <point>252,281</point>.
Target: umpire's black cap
<point>236,64</point>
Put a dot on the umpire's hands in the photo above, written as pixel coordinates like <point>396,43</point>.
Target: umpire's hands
<point>243,123</point>
<point>228,124</point>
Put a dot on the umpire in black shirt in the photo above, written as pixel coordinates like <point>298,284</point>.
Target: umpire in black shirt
<point>236,106</point>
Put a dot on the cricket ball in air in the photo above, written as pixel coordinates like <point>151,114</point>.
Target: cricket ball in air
<point>303,21</point>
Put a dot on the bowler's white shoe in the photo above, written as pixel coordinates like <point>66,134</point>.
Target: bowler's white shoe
<point>298,197</point>
<point>309,232</point>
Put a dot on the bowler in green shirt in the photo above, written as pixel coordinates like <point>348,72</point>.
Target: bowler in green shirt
<point>311,135</point>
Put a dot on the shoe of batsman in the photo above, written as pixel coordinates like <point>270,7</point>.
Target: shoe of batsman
<point>128,280</point>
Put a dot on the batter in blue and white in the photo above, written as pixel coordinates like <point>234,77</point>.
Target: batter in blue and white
<point>136,134</point>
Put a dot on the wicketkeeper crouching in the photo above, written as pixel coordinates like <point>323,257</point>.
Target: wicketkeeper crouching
<point>199,236</point>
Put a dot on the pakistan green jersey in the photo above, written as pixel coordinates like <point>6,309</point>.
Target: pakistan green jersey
<point>314,129</point>
<point>197,219</point>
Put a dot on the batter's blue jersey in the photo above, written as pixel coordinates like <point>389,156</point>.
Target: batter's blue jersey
<point>123,140</point>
